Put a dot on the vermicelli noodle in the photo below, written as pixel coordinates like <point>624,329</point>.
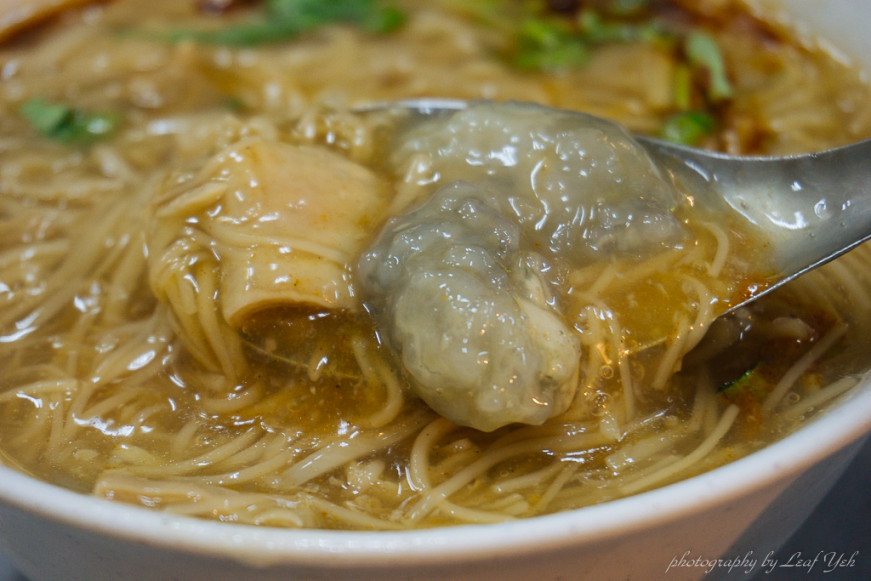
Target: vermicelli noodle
<point>190,311</point>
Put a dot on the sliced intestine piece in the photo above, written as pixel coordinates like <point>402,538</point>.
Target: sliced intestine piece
<point>281,223</point>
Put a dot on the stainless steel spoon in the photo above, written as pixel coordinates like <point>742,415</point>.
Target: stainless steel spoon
<point>813,207</point>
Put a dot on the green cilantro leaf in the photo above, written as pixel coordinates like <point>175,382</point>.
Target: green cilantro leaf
<point>687,128</point>
<point>66,124</point>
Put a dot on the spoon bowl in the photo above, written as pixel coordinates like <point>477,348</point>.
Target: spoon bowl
<point>812,207</point>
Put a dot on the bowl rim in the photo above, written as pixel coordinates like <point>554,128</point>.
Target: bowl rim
<point>779,462</point>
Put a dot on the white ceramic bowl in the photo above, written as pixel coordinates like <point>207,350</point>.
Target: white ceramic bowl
<point>749,506</point>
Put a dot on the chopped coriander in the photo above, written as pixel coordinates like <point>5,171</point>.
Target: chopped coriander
<point>371,15</point>
<point>385,21</point>
<point>687,128</point>
<point>656,34</point>
<point>234,104</point>
<point>250,34</point>
<point>287,19</point>
<point>66,124</point>
<point>597,30</point>
<point>549,45</point>
<point>45,117</point>
<point>565,56</point>
<point>702,50</point>
<point>544,33</point>
<point>683,84</point>
<point>749,391</point>
<point>750,383</point>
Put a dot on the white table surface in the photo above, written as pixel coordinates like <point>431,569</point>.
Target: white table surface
<point>841,522</point>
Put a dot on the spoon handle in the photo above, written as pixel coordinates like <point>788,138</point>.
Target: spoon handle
<point>813,207</point>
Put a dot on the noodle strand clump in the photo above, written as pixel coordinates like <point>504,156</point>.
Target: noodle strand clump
<point>186,322</point>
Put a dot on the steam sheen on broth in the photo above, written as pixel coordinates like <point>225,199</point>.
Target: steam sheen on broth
<point>225,295</point>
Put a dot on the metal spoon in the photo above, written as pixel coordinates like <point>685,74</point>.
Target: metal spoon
<point>813,207</point>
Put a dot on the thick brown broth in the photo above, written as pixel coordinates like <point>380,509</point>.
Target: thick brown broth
<point>127,375</point>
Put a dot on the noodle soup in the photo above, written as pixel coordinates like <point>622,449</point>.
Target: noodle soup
<point>155,173</point>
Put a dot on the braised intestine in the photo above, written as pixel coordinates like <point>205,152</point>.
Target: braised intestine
<point>470,312</point>
<point>580,187</point>
<point>470,287</point>
<point>262,225</point>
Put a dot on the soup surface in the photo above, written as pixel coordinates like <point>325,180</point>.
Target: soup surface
<point>225,294</point>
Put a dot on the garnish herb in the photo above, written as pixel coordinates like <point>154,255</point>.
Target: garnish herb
<point>558,43</point>
<point>750,384</point>
<point>287,19</point>
<point>251,34</point>
<point>597,30</point>
<point>748,392</point>
<point>687,128</point>
<point>683,83</point>
<point>703,51</point>
<point>66,124</point>
<point>234,104</point>
<point>309,14</point>
<point>549,45</point>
